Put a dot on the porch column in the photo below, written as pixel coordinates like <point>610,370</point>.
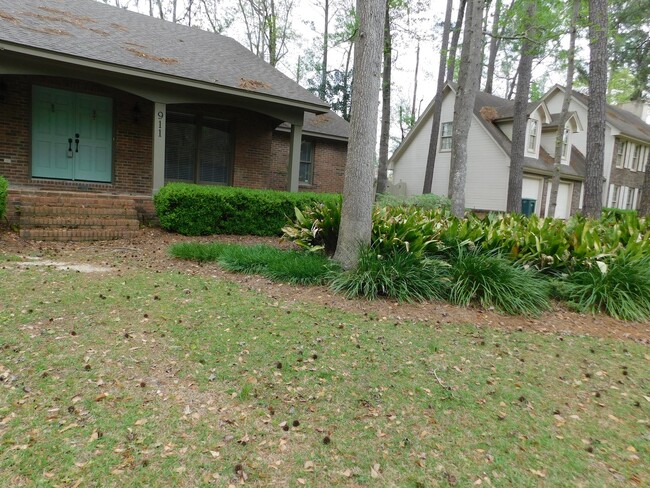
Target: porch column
<point>159,123</point>
<point>293,167</point>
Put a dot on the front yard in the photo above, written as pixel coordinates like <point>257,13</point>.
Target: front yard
<point>162,373</point>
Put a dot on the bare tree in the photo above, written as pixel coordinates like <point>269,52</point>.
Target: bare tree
<point>520,117</point>
<point>593,200</point>
<point>494,47</point>
<point>268,27</point>
<point>468,84</point>
<point>358,195</point>
<point>437,102</point>
<point>564,114</point>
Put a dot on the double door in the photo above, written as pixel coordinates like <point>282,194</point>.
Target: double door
<point>72,135</point>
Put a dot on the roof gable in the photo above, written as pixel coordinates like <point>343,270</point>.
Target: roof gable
<point>86,30</point>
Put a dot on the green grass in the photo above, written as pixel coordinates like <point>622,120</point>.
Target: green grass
<point>276,264</point>
<point>151,377</point>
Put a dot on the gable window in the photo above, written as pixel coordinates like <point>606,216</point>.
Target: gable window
<point>565,144</point>
<point>306,162</point>
<point>198,149</point>
<point>532,135</point>
<point>620,154</point>
<point>445,136</point>
<point>635,157</point>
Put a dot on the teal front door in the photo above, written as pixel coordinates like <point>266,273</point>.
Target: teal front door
<point>72,135</point>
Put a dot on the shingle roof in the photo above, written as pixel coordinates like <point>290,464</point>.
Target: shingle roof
<point>329,124</point>
<point>625,121</point>
<point>89,30</point>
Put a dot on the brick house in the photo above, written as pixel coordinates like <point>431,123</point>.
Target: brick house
<point>96,99</point>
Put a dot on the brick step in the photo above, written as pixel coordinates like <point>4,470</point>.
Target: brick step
<point>73,222</point>
<point>124,210</point>
<point>76,235</point>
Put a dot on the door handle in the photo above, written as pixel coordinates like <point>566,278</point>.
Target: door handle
<point>70,147</point>
<point>77,142</point>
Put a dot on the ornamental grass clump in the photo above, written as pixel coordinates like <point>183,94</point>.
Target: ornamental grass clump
<point>619,286</point>
<point>493,281</point>
<point>400,274</point>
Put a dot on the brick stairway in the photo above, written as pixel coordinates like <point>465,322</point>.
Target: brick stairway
<point>70,216</point>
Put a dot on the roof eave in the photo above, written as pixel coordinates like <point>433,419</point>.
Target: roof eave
<point>153,75</point>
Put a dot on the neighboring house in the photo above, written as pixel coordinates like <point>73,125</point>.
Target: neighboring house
<point>488,160</point>
<point>627,148</point>
<point>97,98</point>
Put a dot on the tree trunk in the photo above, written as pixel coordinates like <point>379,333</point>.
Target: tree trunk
<point>520,117</point>
<point>564,115</point>
<point>323,75</point>
<point>271,21</point>
<point>358,196</point>
<point>593,203</point>
<point>437,102</point>
<point>382,170</point>
<point>494,47</point>
<point>347,89</point>
<point>415,82</point>
<point>644,206</point>
<point>451,58</point>
<point>468,84</point>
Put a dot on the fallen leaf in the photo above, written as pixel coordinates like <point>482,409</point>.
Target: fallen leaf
<point>141,422</point>
<point>301,481</point>
<point>538,473</point>
<point>101,396</point>
<point>309,466</point>
<point>347,473</point>
<point>374,471</point>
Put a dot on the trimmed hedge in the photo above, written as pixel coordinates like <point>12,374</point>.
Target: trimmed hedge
<point>4,185</point>
<point>195,210</point>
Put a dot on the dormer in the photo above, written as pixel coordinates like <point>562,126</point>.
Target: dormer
<point>539,115</point>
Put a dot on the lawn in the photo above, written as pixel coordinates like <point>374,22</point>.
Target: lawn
<point>150,377</point>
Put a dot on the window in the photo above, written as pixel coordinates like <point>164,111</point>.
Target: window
<point>629,199</point>
<point>614,192</point>
<point>620,153</point>
<point>198,149</point>
<point>635,157</point>
<point>306,162</point>
<point>532,135</point>
<point>565,144</point>
<point>445,136</point>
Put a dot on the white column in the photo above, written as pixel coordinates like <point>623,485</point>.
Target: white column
<point>293,166</point>
<point>159,124</point>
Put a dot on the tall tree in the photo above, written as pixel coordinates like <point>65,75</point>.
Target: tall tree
<point>323,75</point>
<point>593,196</point>
<point>468,84</point>
<point>644,205</point>
<point>564,114</point>
<point>455,38</point>
<point>358,195</point>
<point>494,47</point>
<point>268,27</point>
<point>520,117</point>
<point>437,102</point>
<point>384,136</point>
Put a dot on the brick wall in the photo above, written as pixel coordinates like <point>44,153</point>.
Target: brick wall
<point>132,149</point>
<point>329,164</point>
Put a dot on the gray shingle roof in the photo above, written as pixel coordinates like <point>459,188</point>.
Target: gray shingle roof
<point>89,30</point>
<point>329,124</point>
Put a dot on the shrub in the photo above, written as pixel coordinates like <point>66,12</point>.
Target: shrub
<point>493,281</point>
<point>4,185</point>
<point>316,227</point>
<point>425,202</point>
<point>206,210</point>
<point>619,286</point>
<point>400,274</point>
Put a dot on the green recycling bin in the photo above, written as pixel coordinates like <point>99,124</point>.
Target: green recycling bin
<point>528,206</point>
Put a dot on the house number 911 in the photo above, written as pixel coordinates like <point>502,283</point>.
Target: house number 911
<point>161,115</point>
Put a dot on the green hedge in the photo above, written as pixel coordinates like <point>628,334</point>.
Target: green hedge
<point>4,185</point>
<point>206,210</point>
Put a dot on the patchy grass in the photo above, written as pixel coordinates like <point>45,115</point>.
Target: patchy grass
<point>139,377</point>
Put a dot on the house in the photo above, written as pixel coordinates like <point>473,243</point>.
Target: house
<point>97,99</point>
<point>489,147</point>
<point>488,155</point>
<point>627,148</point>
